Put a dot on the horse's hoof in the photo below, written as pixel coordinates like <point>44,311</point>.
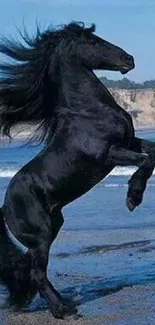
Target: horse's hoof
<point>70,307</point>
<point>130,204</point>
<point>65,309</point>
<point>59,311</point>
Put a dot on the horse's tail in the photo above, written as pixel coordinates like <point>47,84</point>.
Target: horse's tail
<point>15,269</point>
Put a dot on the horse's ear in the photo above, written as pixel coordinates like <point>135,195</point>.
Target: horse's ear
<point>93,28</point>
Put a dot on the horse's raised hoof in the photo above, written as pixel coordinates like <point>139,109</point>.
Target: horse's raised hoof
<point>130,204</point>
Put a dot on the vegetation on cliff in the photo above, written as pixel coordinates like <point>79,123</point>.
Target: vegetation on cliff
<point>127,84</point>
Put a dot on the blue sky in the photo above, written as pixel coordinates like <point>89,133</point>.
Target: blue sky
<point>128,23</point>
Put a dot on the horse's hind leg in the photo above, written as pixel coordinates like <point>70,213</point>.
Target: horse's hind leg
<point>39,269</point>
<point>45,288</point>
<point>22,289</point>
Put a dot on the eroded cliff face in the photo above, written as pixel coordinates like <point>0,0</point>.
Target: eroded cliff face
<point>139,103</point>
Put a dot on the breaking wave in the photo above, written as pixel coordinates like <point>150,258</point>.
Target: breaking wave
<point>10,171</point>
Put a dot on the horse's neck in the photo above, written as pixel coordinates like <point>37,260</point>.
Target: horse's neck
<point>104,92</point>
<point>82,87</point>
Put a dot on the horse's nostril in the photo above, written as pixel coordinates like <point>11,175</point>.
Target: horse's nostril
<point>129,58</point>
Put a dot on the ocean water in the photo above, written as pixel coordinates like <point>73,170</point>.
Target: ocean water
<point>101,243</point>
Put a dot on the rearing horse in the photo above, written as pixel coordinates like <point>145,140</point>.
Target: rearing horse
<point>86,133</point>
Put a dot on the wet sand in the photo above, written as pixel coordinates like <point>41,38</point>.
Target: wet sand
<point>112,284</point>
<point>129,306</point>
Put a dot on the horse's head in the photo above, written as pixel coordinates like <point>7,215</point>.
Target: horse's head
<point>29,86</point>
<point>83,46</point>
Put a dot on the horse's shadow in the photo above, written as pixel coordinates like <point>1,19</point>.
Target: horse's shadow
<point>97,288</point>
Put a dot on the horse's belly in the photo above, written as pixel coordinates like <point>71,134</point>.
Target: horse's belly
<point>80,183</point>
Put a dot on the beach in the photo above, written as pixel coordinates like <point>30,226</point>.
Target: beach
<point>134,306</point>
<point>111,280</point>
<point>104,256</point>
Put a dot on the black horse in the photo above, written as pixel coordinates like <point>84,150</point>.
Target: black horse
<point>86,134</point>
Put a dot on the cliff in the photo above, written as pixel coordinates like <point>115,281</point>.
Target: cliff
<point>140,103</point>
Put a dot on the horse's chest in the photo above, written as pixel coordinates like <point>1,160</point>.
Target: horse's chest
<point>126,126</point>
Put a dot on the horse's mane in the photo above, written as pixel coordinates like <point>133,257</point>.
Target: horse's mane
<point>24,80</point>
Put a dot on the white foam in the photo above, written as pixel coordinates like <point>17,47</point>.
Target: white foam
<point>117,171</point>
<point>124,171</point>
<point>115,185</point>
<point>124,185</point>
<point>8,172</point>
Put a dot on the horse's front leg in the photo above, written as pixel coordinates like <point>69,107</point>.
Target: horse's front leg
<point>119,156</point>
<point>138,181</point>
<point>141,145</point>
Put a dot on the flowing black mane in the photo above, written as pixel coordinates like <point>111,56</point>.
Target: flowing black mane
<point>24,81</point>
